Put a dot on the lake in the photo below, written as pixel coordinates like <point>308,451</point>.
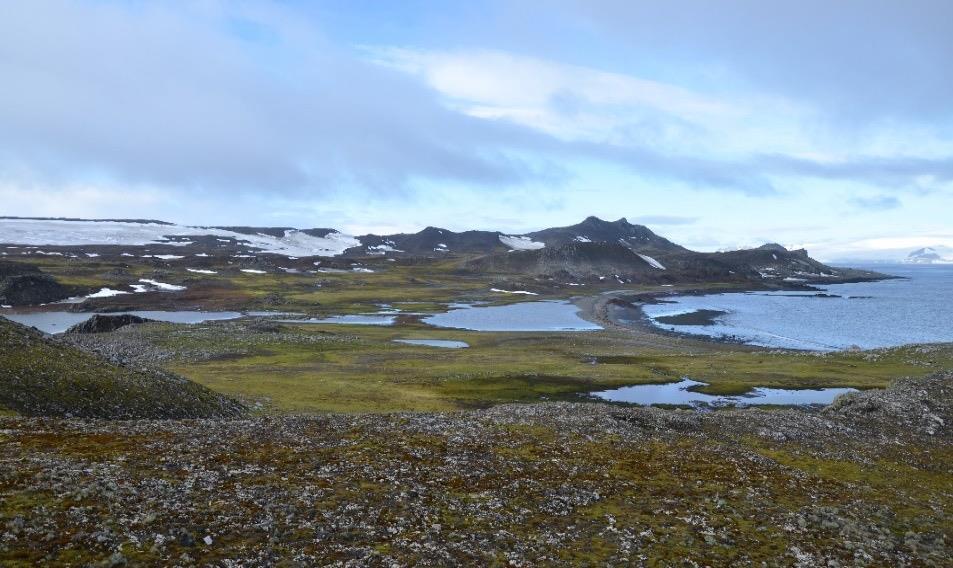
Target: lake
<point>915,309</point>
<point>524,316</point>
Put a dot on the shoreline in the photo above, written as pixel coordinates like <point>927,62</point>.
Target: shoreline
<point>622,310</point>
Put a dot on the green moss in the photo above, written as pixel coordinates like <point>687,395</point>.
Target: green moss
<point>360,368</point>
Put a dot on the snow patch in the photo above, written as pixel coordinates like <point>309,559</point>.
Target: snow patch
<point>652,262</point>
<point>161,285</point>
<point>513,292</point>
<point>516,242</point>
<point>200,271</point>
<point>253,271</point>
<point>81,233</point>
<point>383,248</point>
<point>106,293</point>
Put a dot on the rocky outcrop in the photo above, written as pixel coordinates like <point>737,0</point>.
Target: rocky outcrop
<point>41,376</point>
<point>923,406</point>
<point>100,323</point>
<point>23,284</point>
<point>31,289</point>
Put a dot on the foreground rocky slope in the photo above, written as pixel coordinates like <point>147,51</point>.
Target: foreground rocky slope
<point>866,482</point>
<point>40,376</point>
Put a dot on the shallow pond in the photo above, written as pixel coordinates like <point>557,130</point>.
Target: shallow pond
<point>353,319</point>
<point>524,316</point>
<point>679,393</point>
<point>58,322</point>
<point>444,343</point>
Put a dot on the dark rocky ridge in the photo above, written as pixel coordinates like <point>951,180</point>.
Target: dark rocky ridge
<point>24,284</point>
<point>591,250</point>
<point>594,229</point>
<point>99,323</point>
<point>428,243</point>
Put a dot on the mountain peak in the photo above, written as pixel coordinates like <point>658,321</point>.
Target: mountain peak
<point>593,220</point>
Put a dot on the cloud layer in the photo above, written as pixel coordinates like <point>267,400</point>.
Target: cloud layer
<point>666,111</point>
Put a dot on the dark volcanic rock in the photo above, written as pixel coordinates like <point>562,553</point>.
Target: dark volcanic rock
<point>8,269</point>
<point>27,289</point>
<point>103,323</point>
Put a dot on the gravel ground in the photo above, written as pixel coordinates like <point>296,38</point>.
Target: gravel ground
<point>866,481</point>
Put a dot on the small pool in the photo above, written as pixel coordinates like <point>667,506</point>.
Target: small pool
<point>444,343</point>
<point>679,393</point>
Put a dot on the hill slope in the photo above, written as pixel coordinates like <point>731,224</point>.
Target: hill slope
<point>43,377</point>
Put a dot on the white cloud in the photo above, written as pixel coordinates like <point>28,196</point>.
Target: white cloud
<point>574,102</point>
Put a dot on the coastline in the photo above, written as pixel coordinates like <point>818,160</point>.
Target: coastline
<point>622,310</point>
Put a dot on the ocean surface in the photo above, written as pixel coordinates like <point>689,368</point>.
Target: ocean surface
<point>917,308</point>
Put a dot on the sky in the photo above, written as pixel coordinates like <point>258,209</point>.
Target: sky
<point>817,124</point>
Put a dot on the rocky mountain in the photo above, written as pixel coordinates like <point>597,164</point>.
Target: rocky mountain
<point>595,230</point>
<point>430,242</point>
<point>930,255</point>
<point>593,250</point>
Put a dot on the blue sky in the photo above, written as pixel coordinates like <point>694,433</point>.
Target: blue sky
<point>719,125</point>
